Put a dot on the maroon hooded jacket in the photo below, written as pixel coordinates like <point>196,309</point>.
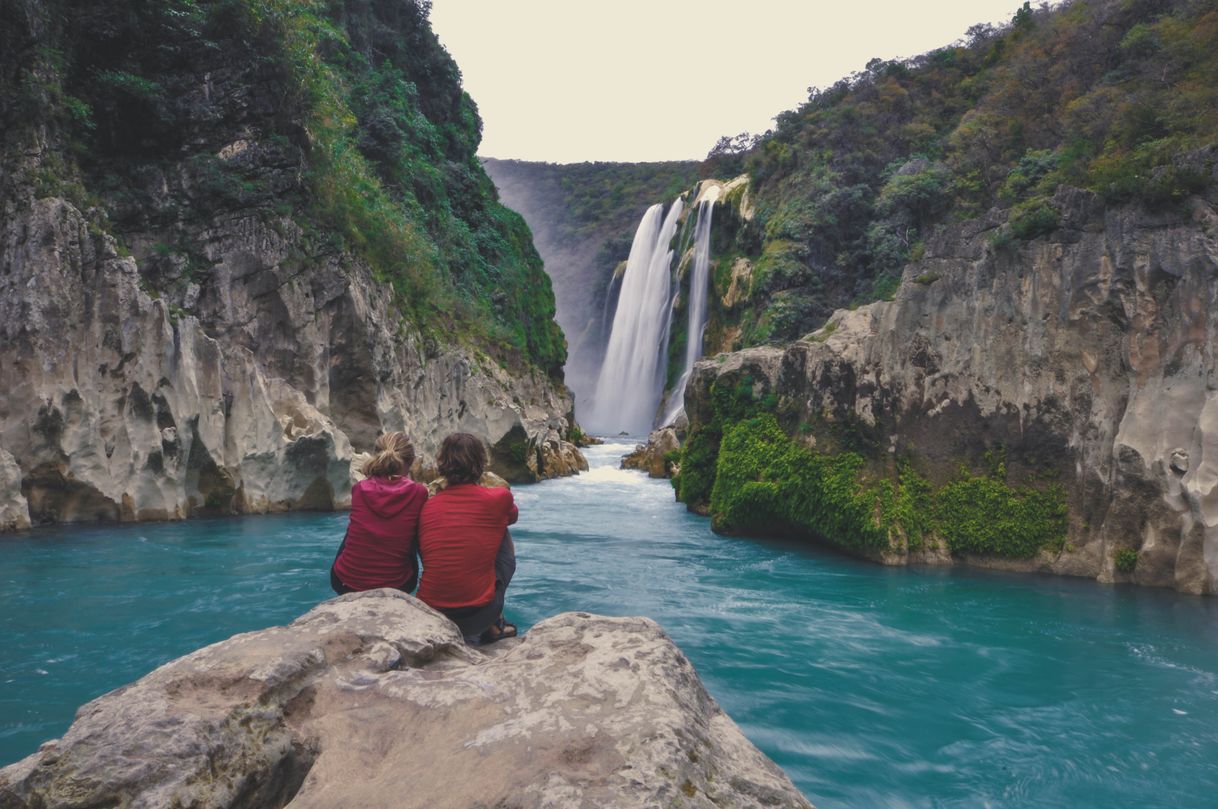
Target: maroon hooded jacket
<point>382,534</point>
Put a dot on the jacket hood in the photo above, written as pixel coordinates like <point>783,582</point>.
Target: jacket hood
<point>386,498</point>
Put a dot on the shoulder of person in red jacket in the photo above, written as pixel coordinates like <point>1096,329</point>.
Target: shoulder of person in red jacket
<point>503,497</point>
<point>388,497</point>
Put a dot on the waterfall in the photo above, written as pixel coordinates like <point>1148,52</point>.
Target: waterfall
<point>698,284</point>
<point>630,384</point>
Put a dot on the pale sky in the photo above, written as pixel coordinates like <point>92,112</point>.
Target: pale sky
<point>637,80</point>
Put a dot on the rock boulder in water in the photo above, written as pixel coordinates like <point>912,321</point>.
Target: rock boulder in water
<point>654,456</point>
<point>373,700</point>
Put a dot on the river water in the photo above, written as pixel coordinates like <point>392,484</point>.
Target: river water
<point>871,686</point>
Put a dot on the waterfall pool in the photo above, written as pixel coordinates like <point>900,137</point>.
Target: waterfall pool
<point>871,686</point>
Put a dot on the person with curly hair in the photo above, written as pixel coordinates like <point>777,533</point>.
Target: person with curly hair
<point>468,555</point>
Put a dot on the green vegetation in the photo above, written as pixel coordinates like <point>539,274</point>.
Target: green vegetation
<point>349,200</point>
<point>1125,559</point>
<point>766,482</point>
<point>395,174</point>
<point>351,123</point>
<point>518,452</point>
<point>823,334</point>
<point>1113,96</point>
<point>755,478</point>
<point>983,515</point>
<point>731,401</point>
<point>582,201</point>
<point>1028,219</point>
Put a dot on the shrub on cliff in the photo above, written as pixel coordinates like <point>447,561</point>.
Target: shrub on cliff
<point>983,515</point>
<point>766,482</point>
<point>763,481</point>
<point>1125,560</point>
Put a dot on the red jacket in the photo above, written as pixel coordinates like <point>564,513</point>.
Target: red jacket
<point>382,533</point>
<point>459,536</point>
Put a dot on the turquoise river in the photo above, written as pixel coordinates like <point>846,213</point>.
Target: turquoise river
<point>872,687</point>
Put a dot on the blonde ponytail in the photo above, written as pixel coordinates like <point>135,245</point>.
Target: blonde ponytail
<point>394,456</point>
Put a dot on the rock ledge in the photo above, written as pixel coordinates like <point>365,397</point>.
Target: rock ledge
<point>372,700</point>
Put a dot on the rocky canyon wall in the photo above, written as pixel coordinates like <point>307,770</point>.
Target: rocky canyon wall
<point>193,322</point>
<point>1083,361</point>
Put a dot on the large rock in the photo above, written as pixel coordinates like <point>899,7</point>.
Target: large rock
<point>656,456</point>
<point>1088,357</point>
<point>373,700</point>
<point>14,510</point>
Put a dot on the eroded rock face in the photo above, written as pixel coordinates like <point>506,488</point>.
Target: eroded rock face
<point>373,700</point>
<point>114,409</point>
<point>1087,357</point>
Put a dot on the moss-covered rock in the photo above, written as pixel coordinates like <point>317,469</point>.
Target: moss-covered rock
<point>767,482</point>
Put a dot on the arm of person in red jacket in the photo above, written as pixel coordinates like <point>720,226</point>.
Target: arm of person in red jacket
<point>513,513</point>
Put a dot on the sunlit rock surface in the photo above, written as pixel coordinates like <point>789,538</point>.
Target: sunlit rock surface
<point>14,510</point>
<point>656,457</point>
<point>373,700</point>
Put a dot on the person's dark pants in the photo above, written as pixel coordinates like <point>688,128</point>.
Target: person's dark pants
<point>473,621</point>
<point>338,587</point>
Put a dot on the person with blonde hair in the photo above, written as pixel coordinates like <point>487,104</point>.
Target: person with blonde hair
<point>381,546</point>
<point>468,555</point>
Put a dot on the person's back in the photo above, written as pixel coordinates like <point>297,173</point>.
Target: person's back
<point>459,536</point>
<point>468,555</point>
<point>381,543</point>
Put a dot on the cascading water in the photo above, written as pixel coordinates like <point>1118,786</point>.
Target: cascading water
<point>698,285</point>
<point>631,379</point>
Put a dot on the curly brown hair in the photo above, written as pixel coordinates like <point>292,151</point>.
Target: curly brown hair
<point>462,458</point>
<point>394,456</point>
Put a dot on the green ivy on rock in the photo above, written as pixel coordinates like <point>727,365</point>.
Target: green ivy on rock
<point>760,480</point>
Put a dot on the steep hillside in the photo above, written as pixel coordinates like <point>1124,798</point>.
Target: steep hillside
<point>241,238</point>
<point>583,217</point>
<point>1033,387</point>
<point>1114,96</point>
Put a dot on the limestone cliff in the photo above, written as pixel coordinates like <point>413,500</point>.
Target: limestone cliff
<point>974,292</point>
<point>1081,363</point>
<point>373,700</point>
<point>241,239</point>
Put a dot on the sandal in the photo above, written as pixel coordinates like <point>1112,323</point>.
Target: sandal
<point>500,630</point>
